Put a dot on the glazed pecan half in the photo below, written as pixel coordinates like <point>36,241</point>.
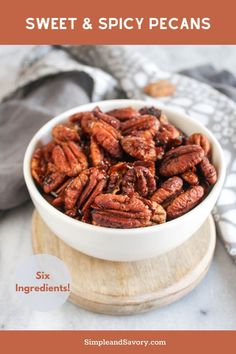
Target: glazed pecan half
<point>185,202</point>
<point>158,212</point>
<point>97,155</point>
<point>69,158</point>
<point>38,166</point>
<point>120,211</point>
<point>106,118</point>
<point>201,140</point>
<point>80,193</point>
<point>167,133</point>
<point>123,113</point>
<point>45,173</point>
<point>140,179</point>
<point>128,178</point>
<point>159,215</point>
<point>84,119</point>
<point>181,159</point>
<point>168,189</point>
<point>141,147</point>
<point>62,133</point>
<point>108,137</point>
<point>145,122</point>
<point>208,171</point>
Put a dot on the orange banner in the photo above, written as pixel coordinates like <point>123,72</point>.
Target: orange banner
<point>120,22</point>
<point>172,342</point>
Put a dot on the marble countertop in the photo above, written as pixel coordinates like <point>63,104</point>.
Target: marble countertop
<point>212,305</point>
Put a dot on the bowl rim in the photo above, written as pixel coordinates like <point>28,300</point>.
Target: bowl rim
<point>116,103</point>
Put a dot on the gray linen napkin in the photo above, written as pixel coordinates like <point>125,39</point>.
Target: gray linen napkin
<point>53,79</point>
<point>223,81</point>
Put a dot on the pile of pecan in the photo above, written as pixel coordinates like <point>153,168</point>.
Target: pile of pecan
<point>124,168</point>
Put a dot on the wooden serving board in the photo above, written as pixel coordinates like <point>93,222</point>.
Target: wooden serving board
<point>120,288</point>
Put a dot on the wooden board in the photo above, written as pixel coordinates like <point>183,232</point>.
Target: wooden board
<point>130,287</point>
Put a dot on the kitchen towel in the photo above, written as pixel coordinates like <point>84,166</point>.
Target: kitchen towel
<point>52,79</point>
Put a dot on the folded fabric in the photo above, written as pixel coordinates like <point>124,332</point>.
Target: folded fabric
<point>53,79</point>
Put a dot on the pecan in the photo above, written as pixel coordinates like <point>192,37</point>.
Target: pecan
<point>159,215</point>
<point>185,202</point>
<point>140,147</point>
<point>106,118</point>
<point>41,162</point>
<point>59,193</point>
<point>120,211</point>
<point>190,177</point>
<point>123,113</point>
<point>97,155</point>
<point>158,212</point>
<point>181,159</point>
<point>139,179</point>
<point>145,181</point>
<point>87,118</point>
<point>69,158</point>
<point>167,133</point>
<point>160,88</point>
<point>130,177</point>
<point>52,181</point>
<point>108,137</point>
<point>208,171</point>
<point>47,151</point>
<point>38,166</point>
<point>116,174</point>
<point>144,122</point>
<point>168,189</point>
<point>150,165</point>
<point>152,150</point>
<point>65,133</point>
<point>45,174</point>
<point>201,140</point>
<point>82,190</point>
<point>128,182</point>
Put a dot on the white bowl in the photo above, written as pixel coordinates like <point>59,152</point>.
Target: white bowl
<point>125,244</point>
